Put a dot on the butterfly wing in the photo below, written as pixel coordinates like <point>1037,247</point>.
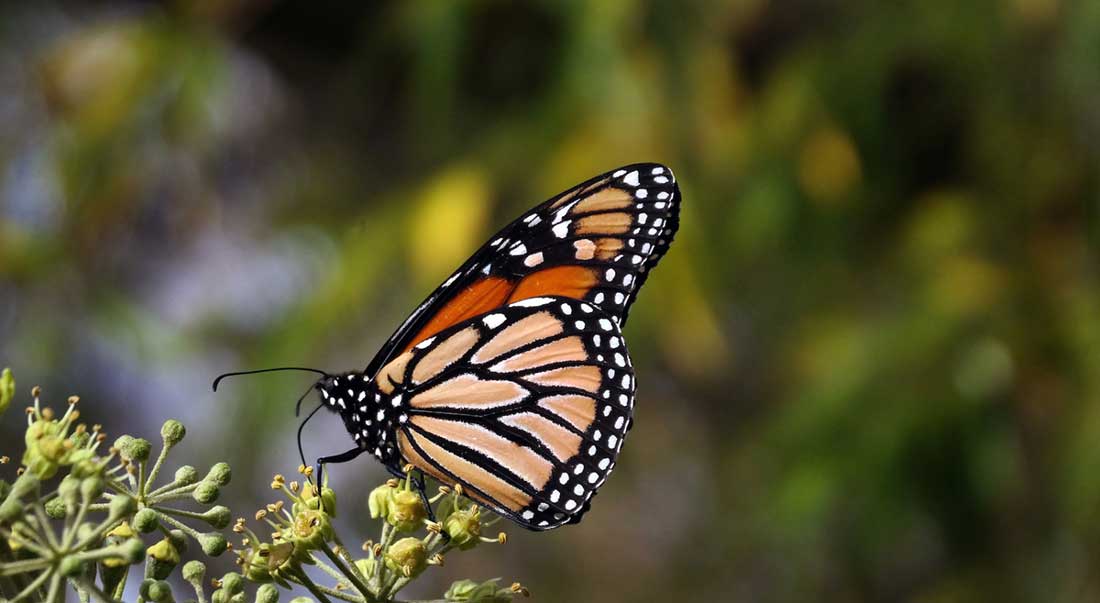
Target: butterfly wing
<point>525,406</point>
<point>595,242</point>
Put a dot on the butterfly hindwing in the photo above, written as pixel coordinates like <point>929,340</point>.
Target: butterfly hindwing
<point>526,406</point>
<point>595,242</point>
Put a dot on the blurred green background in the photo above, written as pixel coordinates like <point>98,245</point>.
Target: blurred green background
<point>869,368</point>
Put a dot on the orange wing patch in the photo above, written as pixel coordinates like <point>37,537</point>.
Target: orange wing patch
<point>613,223</point>
<point>469,392</point>
<point>564,444</point>
<point>607,199</point>
<point>500,490</point>
<point>586,377</point>
<point>445,354</point>
<point>393,373</point>
<point>524,462</point>
<point>579,411</point>
<point>579,193</point>
<point>567,349</point>
<point>478,298</point>
<point>565,281</point>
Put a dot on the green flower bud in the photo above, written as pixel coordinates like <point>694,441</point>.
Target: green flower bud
<point>135,449</point>
<point>159,592</point>
<point>302,600</point>
<point>365,566</point>
<point>232,583</point>
<point>213,544</point>
<point>86,466</point>
<point>133,550</point>
<point>267,593</point>
<point>70,566</point>
<point>145,520</point>
<point>379,501</point>
<point>121,505</point>
<point>186,475</point>
<point>407,556</point>
<point>122,442</point>
<point>179,540</point>
<point>85,531</point>
<point>55,508</point>
<point>121,537</point>
<point>325,502</point>
<point>69,490</point>
<point>218,517</point>
<point>484,592</point>
<point>464,528</point>
<point>406,511</point>
<point>194,571</point>
<point>265,563</point>
<point>91,488</point>
<point>206,492</point>
<point>156,591</point>
<point>7,389</point>
<point>163,558</point>
<point>312,528</point>
<point>219,474</point>
<point>172,432</point>
<point>39,465</point>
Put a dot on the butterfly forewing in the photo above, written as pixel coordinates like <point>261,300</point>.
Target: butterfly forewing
<point>526,406</point>
<point>595,242</point>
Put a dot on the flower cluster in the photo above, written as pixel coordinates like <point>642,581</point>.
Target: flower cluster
<point>81,516</point>
<point>302,537</point>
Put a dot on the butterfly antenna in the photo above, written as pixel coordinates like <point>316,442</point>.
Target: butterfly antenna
<point>268,370</point>
<point>302,426</point>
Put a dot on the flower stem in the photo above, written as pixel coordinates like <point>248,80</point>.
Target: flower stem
<point>32,587</point>
<point>351,575</point>
<point>156,469</point>
<point>302,578</point>
<point>91,587</point>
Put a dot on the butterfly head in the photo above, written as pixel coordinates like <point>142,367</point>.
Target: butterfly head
<point>366,412</point>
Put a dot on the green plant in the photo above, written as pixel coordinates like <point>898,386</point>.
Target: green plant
<point>303,536</point>
<point>81,517</point>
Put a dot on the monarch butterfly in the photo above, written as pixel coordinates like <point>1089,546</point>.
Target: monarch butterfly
<point>512,378</point>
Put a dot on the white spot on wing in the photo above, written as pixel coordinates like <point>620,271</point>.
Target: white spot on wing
<point>533,260</point>
<point>533,302</point>
<point>631,178</point>
<point>493,320</point>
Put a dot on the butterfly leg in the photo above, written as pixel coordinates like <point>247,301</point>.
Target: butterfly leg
<point>421,488</point>
<point>343,457</point>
